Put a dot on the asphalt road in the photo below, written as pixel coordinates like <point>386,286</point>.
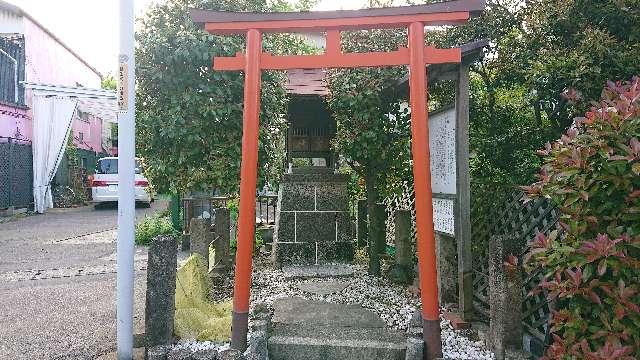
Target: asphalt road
<point>57,284</point>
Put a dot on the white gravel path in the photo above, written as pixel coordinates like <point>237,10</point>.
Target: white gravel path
<point>393,303</point>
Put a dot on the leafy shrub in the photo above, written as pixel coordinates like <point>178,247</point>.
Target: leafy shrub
<point>234,208</point>
<point>152,226</point>
<point>592,269</point>
<point>258,241</point>
<point>233,205</point>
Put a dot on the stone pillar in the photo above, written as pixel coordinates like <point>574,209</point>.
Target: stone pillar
<point>362,223</point>
<point>505,295</point>
<point>161,291</point>
<point>188,213</point>
<point>185,242</point>
<point>402,220</point>
<point>415,341</point>
<point>221,243</point>
<point>258,339</point>
<point>402,271</point>
<point>447,269</point>
<point>200,238</point>
<point>376,238</point>
<point>381,236</point>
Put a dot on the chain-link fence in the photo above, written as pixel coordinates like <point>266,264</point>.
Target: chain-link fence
<point>16,173</point>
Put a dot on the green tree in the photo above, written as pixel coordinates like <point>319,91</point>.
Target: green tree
<point>190,117</point>
<point>109,82</point>
<point>546,60</point>
<point>577,45</point>
<point>372,132</point>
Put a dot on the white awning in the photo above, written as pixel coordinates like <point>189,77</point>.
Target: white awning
<point>99,102</point>
<point>53,109</point>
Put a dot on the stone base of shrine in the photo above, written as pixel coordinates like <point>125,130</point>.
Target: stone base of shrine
<point>313,225</point>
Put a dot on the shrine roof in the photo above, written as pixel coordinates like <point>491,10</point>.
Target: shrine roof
<point>345,18</point>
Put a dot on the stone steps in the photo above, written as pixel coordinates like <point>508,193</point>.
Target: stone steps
<point>318,330</point>
<point>361,347</point>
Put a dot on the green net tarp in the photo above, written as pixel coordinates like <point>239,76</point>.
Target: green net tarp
<point>196,317</point>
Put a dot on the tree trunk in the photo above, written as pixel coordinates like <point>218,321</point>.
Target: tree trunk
<point>372,248</point>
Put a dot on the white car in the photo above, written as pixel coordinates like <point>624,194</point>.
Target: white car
<point>104,184</point>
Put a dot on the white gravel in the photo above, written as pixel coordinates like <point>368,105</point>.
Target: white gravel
<point>459,347</point>
<point>194,345</point>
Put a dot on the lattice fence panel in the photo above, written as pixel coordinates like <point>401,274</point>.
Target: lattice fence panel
<point>495,213</point>
<point>404,201</point>
<point>5,174</point>
<point>16,173</point>
<point>22,175</point>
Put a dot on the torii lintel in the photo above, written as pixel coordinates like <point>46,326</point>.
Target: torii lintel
<point>442,13</point>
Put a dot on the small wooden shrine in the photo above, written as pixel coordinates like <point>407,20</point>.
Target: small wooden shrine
<point>310,125</point>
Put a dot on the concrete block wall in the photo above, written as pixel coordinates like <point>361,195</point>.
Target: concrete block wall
<point>312,220</point>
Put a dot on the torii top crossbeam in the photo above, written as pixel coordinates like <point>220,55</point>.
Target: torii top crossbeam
<point>332,22</point>
<point>416,55</point>
<point>443,13</point>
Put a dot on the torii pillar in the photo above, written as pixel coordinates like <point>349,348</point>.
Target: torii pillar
<point>416,56</point>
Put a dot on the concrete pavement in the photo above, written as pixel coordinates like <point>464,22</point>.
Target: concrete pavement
<point>57,284</point>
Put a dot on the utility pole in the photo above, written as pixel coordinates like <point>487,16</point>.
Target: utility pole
<point>126,191</point>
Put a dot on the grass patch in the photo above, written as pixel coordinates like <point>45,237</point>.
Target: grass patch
<point>152,226</point>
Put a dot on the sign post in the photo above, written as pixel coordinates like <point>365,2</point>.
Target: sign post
<point>126,191</point>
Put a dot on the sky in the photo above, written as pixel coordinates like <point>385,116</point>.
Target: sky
<point>90,27</point>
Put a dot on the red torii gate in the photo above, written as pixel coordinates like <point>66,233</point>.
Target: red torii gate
<point>417,56</point>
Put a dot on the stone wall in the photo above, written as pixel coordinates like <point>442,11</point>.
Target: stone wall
<point>313,225</point>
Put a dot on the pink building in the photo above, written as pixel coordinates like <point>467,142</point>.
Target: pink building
<point>33,54</point>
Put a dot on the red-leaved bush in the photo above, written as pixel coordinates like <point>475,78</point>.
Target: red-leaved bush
<point>592,268</point>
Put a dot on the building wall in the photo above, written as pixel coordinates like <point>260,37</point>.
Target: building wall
<point>10,23</point>
<point>13,121</point>
<point>91,130</point>
<point>50,62</point>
